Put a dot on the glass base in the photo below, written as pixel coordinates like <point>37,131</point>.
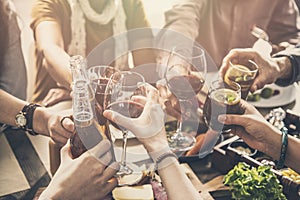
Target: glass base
<point>181,143</point>
<point>129,174</point>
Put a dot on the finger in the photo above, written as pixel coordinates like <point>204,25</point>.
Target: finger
<point>233,119</point>
<point>170,110</point>
<point>47,98</point>
<point>53,100</point>
<point>109,186</point>
<point>117,118</point>
<point>65,152</point>
<point>100,149</point>
<point>140,99</point>
<point>105,159</point>
<point>110,171</point>
<point>60,140</point>
<point>67,124</point>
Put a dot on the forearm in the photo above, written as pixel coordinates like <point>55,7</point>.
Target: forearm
<point>292,156</point>
<point>292,159</point>
<point>58,68</point>
<point>176,182</point>
<point>10,106</point>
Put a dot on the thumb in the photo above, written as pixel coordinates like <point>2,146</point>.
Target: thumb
<point>233,119</point>
<point>117,118</point>
<point>65,152</point>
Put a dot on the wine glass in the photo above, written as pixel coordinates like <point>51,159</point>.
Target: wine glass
<point>99,76</point>
<point>122,86</point>
<point>184,75</point>
<point>242,72</point>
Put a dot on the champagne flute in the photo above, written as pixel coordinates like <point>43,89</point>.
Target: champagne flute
<point>118,97</point>
<point>184,75</point>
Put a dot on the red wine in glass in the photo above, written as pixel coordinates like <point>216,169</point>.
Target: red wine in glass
<point>99,96</point>
<point>127,108</point>
<point>185,86</point>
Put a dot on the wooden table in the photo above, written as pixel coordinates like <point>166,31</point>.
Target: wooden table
<point>30,163</point>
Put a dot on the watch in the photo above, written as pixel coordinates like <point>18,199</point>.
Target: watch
<point>21,120</point>
<point>25,117</point>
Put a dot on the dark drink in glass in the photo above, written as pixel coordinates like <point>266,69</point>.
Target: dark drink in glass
<point>221,99</point>
<point>185,86</point>
<point>100,85</point>
<point>242,73</point>
<point>127,108</point>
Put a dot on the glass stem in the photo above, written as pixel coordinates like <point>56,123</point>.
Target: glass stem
<point>123,157</point>
<point>179,133</point>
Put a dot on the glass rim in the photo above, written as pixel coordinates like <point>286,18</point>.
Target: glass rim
<point>250,70</point>
<point>222,84</point>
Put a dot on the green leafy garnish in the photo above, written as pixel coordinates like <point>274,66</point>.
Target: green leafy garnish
<point>230,98</point>
<point>259,183</point>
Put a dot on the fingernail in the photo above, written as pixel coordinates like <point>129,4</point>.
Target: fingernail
<point>222,118</point>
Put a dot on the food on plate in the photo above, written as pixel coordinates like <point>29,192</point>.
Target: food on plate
<point>199,142</point>
<point>248,182</point>
<point>288,172</point>
<point>265,93</point>
<point>244,150</point>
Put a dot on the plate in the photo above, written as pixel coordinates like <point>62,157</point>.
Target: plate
<point>118,135</point>
<point>286,95</point>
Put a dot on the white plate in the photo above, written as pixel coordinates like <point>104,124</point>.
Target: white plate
<point>117,134</point>
<point>286,95</point>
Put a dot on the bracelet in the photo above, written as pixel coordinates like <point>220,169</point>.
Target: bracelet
<point>284,145</point>
<point>162,157</point>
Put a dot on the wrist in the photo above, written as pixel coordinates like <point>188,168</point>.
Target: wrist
<point>156,143</point>
<point>285,67</point>
<point>274,145</point>
<point>40,121</point>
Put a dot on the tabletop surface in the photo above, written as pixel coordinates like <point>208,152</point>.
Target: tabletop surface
<point>37,175</point>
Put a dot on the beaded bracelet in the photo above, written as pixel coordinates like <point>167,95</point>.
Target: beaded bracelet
<point>164,156</point>
<point>284,146</point>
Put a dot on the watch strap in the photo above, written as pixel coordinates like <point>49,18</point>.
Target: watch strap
<point>29,117</point>
<point>28,111</point>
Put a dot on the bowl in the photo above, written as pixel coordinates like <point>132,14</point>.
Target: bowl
<point>242,148</point>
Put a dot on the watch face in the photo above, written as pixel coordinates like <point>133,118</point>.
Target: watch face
<point>20,120</point>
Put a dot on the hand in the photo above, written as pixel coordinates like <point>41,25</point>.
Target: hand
<point>84,177</point>
<point>256,132</point>
<point>56,95</point>
<point>149,127</point>
<point>168,100</point>
<point>269,69</point>
<point>60,129</point>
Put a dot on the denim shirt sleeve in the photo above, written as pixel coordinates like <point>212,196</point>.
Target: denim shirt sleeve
<point>294,56</point>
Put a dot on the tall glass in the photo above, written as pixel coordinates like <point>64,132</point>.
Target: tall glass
<point>118,97</point>
<point>242,72</point>
<point>222,99</point>
<point>184,75</point>
<point>99,77</point>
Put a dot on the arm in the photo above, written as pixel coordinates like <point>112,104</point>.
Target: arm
<point>49,40</point>
<point>43,122</point>
<point>149,129</point>
<point>284,24</point>
<point>261,135</point>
